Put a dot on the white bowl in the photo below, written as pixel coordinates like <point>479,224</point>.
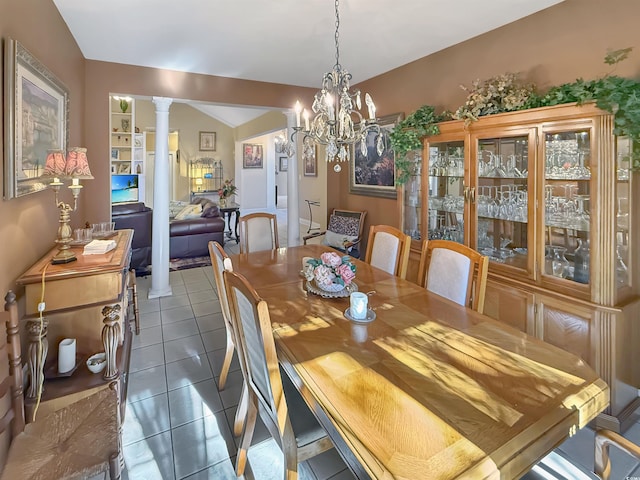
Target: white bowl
<point>97,362</point>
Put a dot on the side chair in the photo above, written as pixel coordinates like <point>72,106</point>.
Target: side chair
<point>258,231</point>
<point>454,271</point>
<point>344,231</point>
<point>271,395</point>
<point>388,249</point>
<point>220,262</point>
<point>80,440</point>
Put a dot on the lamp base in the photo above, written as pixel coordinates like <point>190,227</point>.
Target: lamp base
<point>64,256</point>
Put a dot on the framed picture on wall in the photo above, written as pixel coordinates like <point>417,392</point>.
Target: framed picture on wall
<point>252,155</point>
<point>310,161</point>
<point>207,141</point>
<point>372,174</point>
<point>115,154</point>
<point>284,163</point>
<point>36,119</point>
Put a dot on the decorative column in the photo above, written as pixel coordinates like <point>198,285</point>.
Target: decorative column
<point>293,205</point>
<point>160,286</point>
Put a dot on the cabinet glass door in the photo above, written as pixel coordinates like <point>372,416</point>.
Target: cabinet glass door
<point>502,199</point>
<point>445,217</point>
<point>623,161</point>
<point>567,220</point>
<point>412,211</point>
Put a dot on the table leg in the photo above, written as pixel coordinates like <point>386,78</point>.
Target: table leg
<point>237,215</point>
<point>110,339</point>
<point>36,355</point>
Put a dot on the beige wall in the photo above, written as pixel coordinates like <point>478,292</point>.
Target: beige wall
<point>549,48</point>
<point>28,224</point>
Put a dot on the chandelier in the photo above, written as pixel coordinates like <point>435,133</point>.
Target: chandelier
<point>337,122</point>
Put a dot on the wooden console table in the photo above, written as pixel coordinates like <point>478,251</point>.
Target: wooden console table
<point>86,300</point>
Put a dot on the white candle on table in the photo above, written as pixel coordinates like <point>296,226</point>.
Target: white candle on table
<point>66,355</point>
<point>358,305</point>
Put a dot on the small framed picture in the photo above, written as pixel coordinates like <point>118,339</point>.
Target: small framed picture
<point>311,163</point>
<point>114,169</point>
<point>124,168</point>
<point>284,164</point>
<point>207,141</point>
<point>115,154</point>
<point>251,155</point>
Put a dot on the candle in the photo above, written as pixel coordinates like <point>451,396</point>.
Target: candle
<point>66,355</point>
<point>305,114</point>
<point>329,102</point>
<point>370,106</point>
<point>358,305</point>
<point>298,109</point>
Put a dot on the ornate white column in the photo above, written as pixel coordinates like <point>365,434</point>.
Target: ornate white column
<point>293,204</point>
<point>160,286</point>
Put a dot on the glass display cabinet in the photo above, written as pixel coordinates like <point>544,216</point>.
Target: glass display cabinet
<point>548,196</point>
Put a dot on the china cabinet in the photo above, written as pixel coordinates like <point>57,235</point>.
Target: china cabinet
<point>548,196</point>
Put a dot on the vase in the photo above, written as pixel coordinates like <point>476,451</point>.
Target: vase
<point>556,263</point>
<point>222,202</point>
<point>582,258</point>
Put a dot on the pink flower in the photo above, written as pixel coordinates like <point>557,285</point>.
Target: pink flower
<point>331,259</point>
<point>344,271</point>
<point>323,275</point>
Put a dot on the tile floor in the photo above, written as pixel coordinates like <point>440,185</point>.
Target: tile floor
<point>179,425</point>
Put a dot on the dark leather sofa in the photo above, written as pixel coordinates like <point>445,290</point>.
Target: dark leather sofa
<point>137,217</point>
<point>188,238</point>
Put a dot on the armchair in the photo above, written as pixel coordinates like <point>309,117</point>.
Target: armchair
<point>344,231</point>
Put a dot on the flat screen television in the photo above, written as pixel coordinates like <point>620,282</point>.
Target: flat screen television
<point>124,188</point>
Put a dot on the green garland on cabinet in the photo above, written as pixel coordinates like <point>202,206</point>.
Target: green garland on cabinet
<point>616,95</point>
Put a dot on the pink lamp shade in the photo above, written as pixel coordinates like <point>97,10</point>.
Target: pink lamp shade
<point>55,164</point>
<point>77,165</point>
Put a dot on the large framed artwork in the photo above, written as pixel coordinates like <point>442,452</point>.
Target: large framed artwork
<point>373,174</point>
<point>36,114</point>
<point>310,161</point>
<point>251,155</point>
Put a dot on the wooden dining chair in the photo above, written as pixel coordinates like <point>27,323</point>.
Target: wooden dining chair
<point>220,262</point>
<point>605,439</point>
<point>258,231</point>
<point>80,440</point>
<point>274,398</point>
<point>344,231</point>
<point>388,249</point>
<point>454,271</point>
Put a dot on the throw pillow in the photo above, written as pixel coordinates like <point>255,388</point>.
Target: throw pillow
<point>190,211</point>
<point>344,225</point>
<point>337,240</point>
<point>175,206</point>
<point>210,210</point>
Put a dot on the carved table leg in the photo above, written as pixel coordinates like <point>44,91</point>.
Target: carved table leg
<point>110,339</point>
<point>36,356</point>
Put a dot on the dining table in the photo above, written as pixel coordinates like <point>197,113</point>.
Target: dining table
<point>428,389</point>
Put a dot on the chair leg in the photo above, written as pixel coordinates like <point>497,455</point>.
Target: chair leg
<point>226,364</point>
<point>134,290</point>
<point>241,411</point>
<point>290,451</point>
<point>247,436</point>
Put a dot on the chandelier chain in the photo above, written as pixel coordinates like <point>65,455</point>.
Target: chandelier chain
<point>337,36</point>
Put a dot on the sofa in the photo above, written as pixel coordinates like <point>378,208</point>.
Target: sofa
<point>137,217</point>
<point>191,232</point>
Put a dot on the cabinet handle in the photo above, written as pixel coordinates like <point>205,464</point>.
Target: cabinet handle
<point>465,194</point>
<point>473,194</point>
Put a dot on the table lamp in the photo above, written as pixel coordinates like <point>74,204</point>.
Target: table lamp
<point>75,167</point>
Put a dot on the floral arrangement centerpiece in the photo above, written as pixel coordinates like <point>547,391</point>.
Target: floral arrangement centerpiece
<point>227,189</point>
<point>331,271</point>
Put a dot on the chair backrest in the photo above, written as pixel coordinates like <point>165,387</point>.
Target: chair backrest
<point>454,271</point>
<point>258,231</point>
<point>11,399</point>
<point>388,249</point>
<point>220,262</point>
<point>257,350</point>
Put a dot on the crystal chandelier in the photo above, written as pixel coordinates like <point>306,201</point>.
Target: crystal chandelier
<point>337,121</point>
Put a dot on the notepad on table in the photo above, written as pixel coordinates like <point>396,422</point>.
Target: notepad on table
<point>98,247</point>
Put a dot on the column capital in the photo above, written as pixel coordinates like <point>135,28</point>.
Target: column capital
<point>162,103</point>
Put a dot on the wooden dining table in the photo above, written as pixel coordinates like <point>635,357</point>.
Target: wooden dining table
<point>427,390</point>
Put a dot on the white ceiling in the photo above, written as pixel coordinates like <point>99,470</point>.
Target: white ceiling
<point>281,41</point>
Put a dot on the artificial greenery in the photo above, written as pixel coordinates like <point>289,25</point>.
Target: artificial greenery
<point>616,95</point>
<point>408,134</point>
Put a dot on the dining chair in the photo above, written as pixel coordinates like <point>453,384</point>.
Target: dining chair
<point>454,271</point>
<point>258,231</point>
<point>344,231</point>
<point>271,394</point>
<point>80,440</point>
<point>603,440</point>
<point>388,249</point>
<point>220,262</point>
